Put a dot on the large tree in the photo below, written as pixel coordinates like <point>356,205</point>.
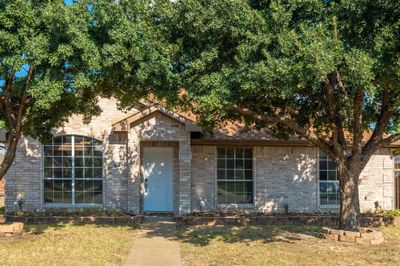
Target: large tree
<point>47,64</point>
<point>56,58</point>
<point>327,71</point>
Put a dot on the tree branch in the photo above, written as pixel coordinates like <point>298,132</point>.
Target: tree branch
<point>289,123</point>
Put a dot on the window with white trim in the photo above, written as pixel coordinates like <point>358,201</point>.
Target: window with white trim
<point>73,170</point>
<point>329,189</point>
<point>235,175</point>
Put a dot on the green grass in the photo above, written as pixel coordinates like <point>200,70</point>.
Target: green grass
<point>278,245</point>
<point>67,244</point>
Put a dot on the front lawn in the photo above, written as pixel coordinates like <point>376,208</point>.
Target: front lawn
<point>279,245</point>
<point>67,244</point>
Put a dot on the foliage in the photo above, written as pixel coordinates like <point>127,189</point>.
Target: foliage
<point>327,71</point>
<point>274,57</point>
<point>46,51</point>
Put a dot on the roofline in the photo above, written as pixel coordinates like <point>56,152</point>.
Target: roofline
<point>261,142</point>
<point>122,124</point>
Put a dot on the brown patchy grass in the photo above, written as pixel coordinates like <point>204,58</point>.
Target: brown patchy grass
<point>279,245</point>
<point>67,244</point>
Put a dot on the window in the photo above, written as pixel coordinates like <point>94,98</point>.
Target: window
<point>73,171</point>
<point>329,189</point>
<point>235,175</point>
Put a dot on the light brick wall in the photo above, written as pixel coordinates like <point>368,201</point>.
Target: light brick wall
<point>24,183</point>
<point>282,175</point>
<point>377,182</point>
<point>204,172</point>
<point>285,175</point>
<point>24,179</point>
<point>289,175</point>
<point>158,127</point>
<point>2,188</point>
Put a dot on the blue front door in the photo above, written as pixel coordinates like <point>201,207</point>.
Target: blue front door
<point>157,173</point>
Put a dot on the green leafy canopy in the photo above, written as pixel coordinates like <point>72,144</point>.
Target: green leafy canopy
<point>274,57</point>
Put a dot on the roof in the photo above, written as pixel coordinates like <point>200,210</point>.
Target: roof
<point>227,132</point>
<point>122,124</point>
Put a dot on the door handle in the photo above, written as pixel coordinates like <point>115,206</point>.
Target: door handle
<point>145,185</point>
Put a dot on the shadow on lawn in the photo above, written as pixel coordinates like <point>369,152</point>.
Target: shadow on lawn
<point>202,236</point>
<point>40,228</point>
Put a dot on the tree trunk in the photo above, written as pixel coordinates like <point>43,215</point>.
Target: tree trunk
<point>349,200</point>
<point>11,148</point>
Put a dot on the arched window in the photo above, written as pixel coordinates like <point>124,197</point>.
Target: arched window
<point>73,171</point>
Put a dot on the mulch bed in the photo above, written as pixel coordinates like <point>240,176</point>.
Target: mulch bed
<point>262,219</point>
<point>77,219</point>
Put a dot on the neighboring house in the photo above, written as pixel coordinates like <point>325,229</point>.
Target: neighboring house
<point>155,160</point>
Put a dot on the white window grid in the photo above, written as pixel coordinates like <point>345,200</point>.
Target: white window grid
<point>235,172</point>
<point>329,186</point>
<point>68,172</point>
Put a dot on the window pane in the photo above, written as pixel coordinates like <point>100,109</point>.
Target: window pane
<point>230,164</point>
<point>97,197</point>
<point>248,174</point>
<point>88,172</point>
<point>323,165</point>
<point>67,162</point>
<point>67,197</point>
<point>48,172</point>
<point>98,162</point>
<point>58,197</point>
<point>58,173</point>
<point>97,151</point>
<point>57,151</point>
<point>79,197</point>
<point>221,153</point>
<point>79,173</point>
<point>98,172</point>
<point>67,150</point>
<point>48,162</point>
<point>88,162</point>
<point>239,153</point>
<point>221,174</point>
<point>230,174</point>
<point>48,186</point>
<point>248,187</point>
<point>239,187</point>
<point>332,175</point>
<point>60,158</point>
<point>48,150</point>
<point>248,164</point>
<point>323,175</point>
<point>239,174</point>
<point>221,164</point>
<point>78,150</point>
<point>67,172</point>
<point>230,153</point>
<point>230,187</point>
<point>239,164</point>
<point>323,187</point>
<point>248,153</point>
<point>88,151</point>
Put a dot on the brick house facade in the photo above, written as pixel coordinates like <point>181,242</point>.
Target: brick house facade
<point>154,160</point>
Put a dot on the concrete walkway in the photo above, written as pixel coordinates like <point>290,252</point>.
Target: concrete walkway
<point>155,244</point>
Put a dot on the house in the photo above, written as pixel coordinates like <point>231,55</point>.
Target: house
<point>155,160</point>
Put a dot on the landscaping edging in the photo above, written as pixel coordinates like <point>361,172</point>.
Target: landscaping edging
<point>364,236</point>
<point>323,220</point>
<point>11,229</point>
<point>77,219</point>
